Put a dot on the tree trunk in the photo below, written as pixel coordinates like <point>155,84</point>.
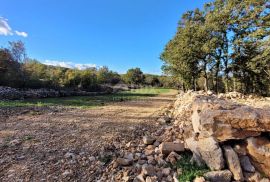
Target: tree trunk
<point>216,74</point>
<point>194,83</point>
<point>205,79</point>
<point>234,84</point>
<point>183,87</point>
<point>205,83</point>
<point>254,85</point>
<point>226,59</point>
<point>217,68</point>
<point>226,78</point>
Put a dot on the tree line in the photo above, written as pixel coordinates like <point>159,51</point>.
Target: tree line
<point>17,70</point>
<point>223,47</point>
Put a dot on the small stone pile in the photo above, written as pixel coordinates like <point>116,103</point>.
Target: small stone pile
<point>151,159</point>
<point>233,95</point>
<point>8,93</point>
<point>40,93</point>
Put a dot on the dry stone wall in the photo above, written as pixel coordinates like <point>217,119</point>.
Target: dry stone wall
<point>226,135</point>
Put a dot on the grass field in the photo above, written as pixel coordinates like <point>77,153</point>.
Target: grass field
<point>88,101</point>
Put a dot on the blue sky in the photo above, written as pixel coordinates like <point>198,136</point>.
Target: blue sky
<point>119,34</point>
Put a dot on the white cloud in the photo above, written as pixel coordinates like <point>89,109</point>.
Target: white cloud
<point>23,34</point>
<point>59,63</point>
<point>68,64</point>
<point>84,66</point>
<point>6,30</point>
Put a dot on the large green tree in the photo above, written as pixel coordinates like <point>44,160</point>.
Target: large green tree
<point>226,41</point>
<point>134,76</point>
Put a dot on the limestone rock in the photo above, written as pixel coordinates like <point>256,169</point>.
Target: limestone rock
<point>67,173</point>
<point>168,147</point>
<point>156,143</point>
<point>246,164</point>
<point>211,153</point>
<point>252,177</point>
<point>126,178</point>
<point>233,163</point>
<point>173,158</point>
<point>139,178</point>
<point>218,176</point>
<point>169,178</point>
<point>15,142</point>
<point>175,178</point>
<point>192,145</point>
<point>70,155</point>
<point>166,171</point>
<point>151,160</point>
<point>148,140</point>
<point>148,170</point>
<point>130,144</point>
<point>124,162</point>
<point>206,150</point>
<point>161,161</point>
<point>149,152</point>
<point>164,120</point>
<point>129,156</point>
<point>92,158</point>
<point>240,149</point>
<point>209,92</point>
<point>226,120</point>
<point>259,151</point>
<point>234,95</point>
<point>151,179</point>
<point>199,179</point>
<point>265,180</point>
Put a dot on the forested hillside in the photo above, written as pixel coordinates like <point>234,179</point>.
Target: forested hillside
<point>223,47</point>
<point>17,70</point>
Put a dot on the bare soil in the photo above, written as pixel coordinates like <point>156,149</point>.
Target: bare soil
<point>51,143</point>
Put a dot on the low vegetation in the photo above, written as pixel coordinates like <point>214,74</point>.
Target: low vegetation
<point>189,171</point>
<point>88,101</point>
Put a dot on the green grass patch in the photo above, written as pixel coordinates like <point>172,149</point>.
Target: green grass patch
<point>88,101</point>
<point>190,170</point>
<point>27,137</point>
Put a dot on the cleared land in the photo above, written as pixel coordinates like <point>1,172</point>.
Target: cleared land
<point>87,101</point>
<point>48,139</point>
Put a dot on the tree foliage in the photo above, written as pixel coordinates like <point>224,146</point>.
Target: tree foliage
<point>226,43</point>
<point>10,70</point>
<point>16,70</point>
<point>134,76</point>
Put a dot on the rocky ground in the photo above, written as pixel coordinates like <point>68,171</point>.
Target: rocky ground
<point>197,136</point>
<point>226,135</point>
<point>60,144</point>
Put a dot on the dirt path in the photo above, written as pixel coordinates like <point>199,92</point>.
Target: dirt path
<point>51,144</point>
